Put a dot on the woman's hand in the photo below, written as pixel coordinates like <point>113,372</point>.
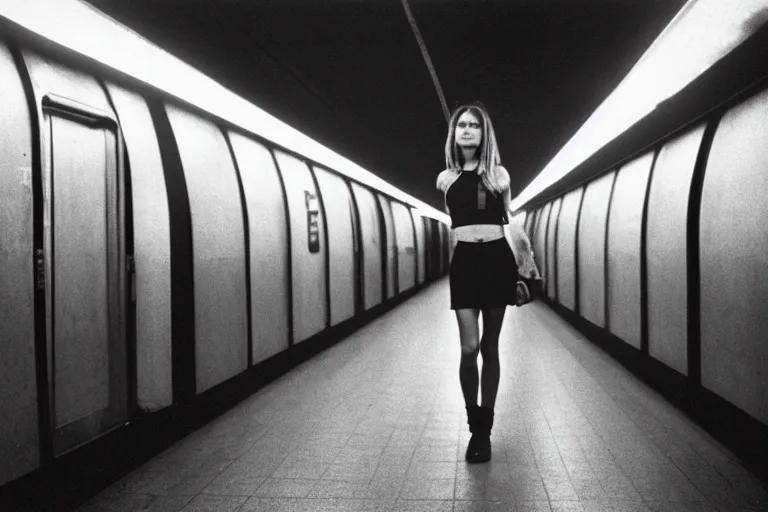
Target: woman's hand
<point>521,247</point>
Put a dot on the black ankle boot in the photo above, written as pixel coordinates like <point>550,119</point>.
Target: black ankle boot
<point>476,442</point>
<point>485,424</point>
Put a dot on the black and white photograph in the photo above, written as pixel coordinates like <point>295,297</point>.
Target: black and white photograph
<point>383,255</point>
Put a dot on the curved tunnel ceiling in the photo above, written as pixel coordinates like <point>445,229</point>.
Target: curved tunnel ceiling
<point>350,74</point>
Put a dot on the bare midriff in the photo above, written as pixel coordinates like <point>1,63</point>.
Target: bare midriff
<point>478,233</point>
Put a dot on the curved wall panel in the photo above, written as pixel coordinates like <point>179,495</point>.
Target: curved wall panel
<point>566,249</point>
<point>439,245</point>
<point>421,245</point>
<point>391,252</point>
<point>433,247</point>
<point>369,227</point>
<point>428,257</point>
<point>443,247</point>
<point>218,249</point>
<point>666,247</point>
<point>336,198</point>
<point>540,243</point>
<point>268,226</point>
<point>624,228</point>
<point>530,222</point>
<point>308,259</point>
<point>734,260</point>
<point>534,226</point>
<point>594,213</point>
<point>19,451</point>
<point>437,238</point>
<point>551,269</point>
<point>431,254</point>
<point>48,76</point>
<point>152,250</point>
<point>406,246</point>
<point>447,237</point>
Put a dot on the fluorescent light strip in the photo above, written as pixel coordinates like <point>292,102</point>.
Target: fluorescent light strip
<point>703,32</point>
<point>84,29</point>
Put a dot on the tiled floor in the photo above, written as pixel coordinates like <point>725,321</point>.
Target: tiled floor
<point>377,423</point>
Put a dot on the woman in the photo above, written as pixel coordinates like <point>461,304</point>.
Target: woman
<point>484,270</point>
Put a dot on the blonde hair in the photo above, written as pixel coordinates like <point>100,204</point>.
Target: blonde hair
<point>494,176</point>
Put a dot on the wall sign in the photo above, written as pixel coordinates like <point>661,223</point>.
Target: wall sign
<point>313,225</point>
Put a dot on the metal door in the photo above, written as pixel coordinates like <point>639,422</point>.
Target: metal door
<point>83,225</point>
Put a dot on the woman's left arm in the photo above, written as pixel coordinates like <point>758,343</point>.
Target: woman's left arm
<point>521,244</point>
<point>507,201</point>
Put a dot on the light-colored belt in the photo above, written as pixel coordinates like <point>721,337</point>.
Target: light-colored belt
<point>480,240</point>
<point>480,233</point>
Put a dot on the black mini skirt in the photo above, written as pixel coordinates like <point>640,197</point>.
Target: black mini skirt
<point>483,275</point>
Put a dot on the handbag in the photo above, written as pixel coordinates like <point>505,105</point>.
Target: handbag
<point>529,289</point>
<point>530,284</point>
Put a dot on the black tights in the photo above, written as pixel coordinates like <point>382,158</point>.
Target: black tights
<point>488,346</point>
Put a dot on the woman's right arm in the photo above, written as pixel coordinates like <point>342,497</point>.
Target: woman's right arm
<point>521,247</point>
<point>443,179</point>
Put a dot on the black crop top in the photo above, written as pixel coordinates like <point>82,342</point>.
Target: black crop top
<point>470,202</point>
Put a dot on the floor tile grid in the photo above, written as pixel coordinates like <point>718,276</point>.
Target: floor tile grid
<point>666,416</point>
<point>420,432</point>
<point>544,426</point>
<point>561,369</point>
<point>419,483</point>
<point>348,380</point>
<point>513,395</point>
<point>533,438</point>
<point>699,457</point>
<point>592,479</point>
<point>512,441</point>
<point>437,407</point>
<point>462,469</point>
<point>549,463</point>
<point>659,442</point>
<point>357,428</point>
<point>291,441</point>
<point>180,451</point>
<point>625,443</point>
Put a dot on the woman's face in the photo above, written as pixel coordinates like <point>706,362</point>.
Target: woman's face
<point>469,131</point>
